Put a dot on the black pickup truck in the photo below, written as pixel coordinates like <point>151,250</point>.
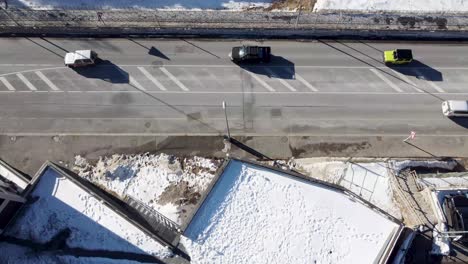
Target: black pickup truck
<point>251,54</point>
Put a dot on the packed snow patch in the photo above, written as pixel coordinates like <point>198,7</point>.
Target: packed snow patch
<point>257,215</point>
<point>394,5</point>
<point>62,205</point>
<point>145,4</point>
<point>398,166</point>
<point>166,183</point>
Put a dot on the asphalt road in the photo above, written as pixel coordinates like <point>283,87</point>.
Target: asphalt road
<point>176,87</point>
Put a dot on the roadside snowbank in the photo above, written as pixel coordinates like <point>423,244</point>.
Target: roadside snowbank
<point>166,183</point>
<point>394,5</point>
<point>63,207</point>
<point>256,215</point>
<point>398,166</point>
<point>145,4</point>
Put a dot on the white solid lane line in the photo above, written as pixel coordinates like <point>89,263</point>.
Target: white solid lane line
<point>262,82</point>
<point>7,84</point>
<point>27,82</point>
<point>173,78</point>
<point>431,83</point>
<point>283,82</point>
<point>152,79</point>
<point>47,81</point>
<point>386,80</point>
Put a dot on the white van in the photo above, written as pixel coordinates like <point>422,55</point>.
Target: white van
<point>455,108</point>
<point>80,58</point>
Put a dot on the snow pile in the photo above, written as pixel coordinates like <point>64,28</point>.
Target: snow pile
<point>444,182</point>
<point>372,182</point>
<point>63,207</point>
<point>441,244</point>
<point>145,4</point>
<point>329,170</point>
<point>168,184</point>
<point>394,5</point>
<point>398,166</point>
<point>256,215</point>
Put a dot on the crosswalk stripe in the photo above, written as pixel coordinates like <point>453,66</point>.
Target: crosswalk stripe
<point>386,80</point>
<point>262,82</point>
<point>152,79</point>
<point>302,80</point>
<point>283,82</point>
<point>173,78</point>
<point>7,84</point>
<point>135,83</point>
<point>47,81</point>
<point>407,80</point>
<point>431,83</point>
<point>28,83</point>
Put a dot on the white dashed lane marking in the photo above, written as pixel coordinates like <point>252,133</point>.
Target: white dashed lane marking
<point>262,82</point>
<point>7,84</point>
<point>431,83</point>
<point>174,79</point>
<point>302,80</point>
<point>47,81</point>
<point>407,80</point>
<point>27,82</point>
<point>283,82</point>
<point>135,83</point>
<point>152,79</point>
<point>386,80</point>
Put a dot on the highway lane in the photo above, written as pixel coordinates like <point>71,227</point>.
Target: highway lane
<point>175,87</point>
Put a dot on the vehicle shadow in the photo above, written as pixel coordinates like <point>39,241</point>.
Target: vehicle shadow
<point>278,67</point>
<point>461,121</point>
<point>104,70</point>
<point>419,70</point>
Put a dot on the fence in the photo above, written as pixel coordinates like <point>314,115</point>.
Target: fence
<point>65,19</point>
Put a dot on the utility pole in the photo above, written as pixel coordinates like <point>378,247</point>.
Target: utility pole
<point>227,123</point>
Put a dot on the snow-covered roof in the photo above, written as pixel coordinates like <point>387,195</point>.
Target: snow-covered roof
<point>255,214</point>
<point>62,204</point>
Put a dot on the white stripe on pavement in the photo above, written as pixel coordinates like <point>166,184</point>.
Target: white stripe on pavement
<point>407,80</point>
<point>47,81</point>
<point>302,80</point>
<point>283,82</point>
<point>7,84</point>
<point>262,82</point>
<point>173,78</point>
<point>152,79</point>
<point>386,80</point>
<point>28,83</point>
<point>135,83</point>
<point>431,83</point>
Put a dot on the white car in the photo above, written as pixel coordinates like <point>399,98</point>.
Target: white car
<point>455,108</point>
<point>80,58</point>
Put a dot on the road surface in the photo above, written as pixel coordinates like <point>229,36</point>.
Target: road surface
<point>176,87</point>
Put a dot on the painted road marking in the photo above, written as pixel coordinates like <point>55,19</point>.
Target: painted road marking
<point>173,78</point>
<point>274,75</point>
<point>262,82</point>
<point>431,83</point>
<point>407,80</point>
<point>302,80</point>
<point>152,79</point>
<point>28,83</point>
<point>386,80</point>
<point>7,84</point>
<point>135,83</point>
<point>47,81</point>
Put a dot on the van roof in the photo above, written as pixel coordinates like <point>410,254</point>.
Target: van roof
<point>458,105</point>
<point>71,57</point>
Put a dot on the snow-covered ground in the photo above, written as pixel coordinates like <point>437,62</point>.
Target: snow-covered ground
<point>143,4</point>
<point>166,183</point>
<point>370,180</point>
<point>394,5</point>
<point>62,205</point>
<point>256,215</point>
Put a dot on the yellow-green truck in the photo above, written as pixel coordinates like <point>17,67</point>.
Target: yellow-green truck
<point>398,56</point>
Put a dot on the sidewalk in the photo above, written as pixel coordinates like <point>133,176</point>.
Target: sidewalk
<point>28,153</point>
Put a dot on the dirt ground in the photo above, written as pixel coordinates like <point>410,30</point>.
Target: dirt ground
<point>307,5</point>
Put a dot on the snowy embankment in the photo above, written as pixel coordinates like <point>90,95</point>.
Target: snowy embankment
<point>394,5</point>
<point>233,5</point>
<point>256,215</point>
<point>64,215</point>
<point>370,180</point>
<point>168,184</point>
